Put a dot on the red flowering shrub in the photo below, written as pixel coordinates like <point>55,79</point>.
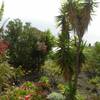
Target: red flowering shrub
<point>4,45</point>
<point>28,91</point>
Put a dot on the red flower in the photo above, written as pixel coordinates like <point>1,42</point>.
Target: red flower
<point>28,97</point>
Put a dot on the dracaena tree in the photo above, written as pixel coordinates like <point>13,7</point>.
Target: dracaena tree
<point>63,54</point>
<point>76,14</point>
<point>79,13</point>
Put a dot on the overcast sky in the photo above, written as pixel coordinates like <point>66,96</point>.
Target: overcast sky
<point>41,13</point>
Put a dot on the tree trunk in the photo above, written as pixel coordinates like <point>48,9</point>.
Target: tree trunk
<point>77,68</point>
<point>67,75</point>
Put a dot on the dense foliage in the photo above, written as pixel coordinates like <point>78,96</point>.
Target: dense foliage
<point>93,57</point>
<point>28,46</point>
<point>31,69</point>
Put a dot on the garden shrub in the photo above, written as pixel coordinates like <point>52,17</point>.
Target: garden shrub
<point>6,73</point>
<point>95,80</point>
<point>19,72</point>
<point>29,46</point>
<point>44,79</point>
<point>61,88</point>
<point>51,70</point>
<point>79,97</point>
<point>28,90</point>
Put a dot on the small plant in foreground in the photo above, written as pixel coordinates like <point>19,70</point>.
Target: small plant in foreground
<point>55,96</point>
